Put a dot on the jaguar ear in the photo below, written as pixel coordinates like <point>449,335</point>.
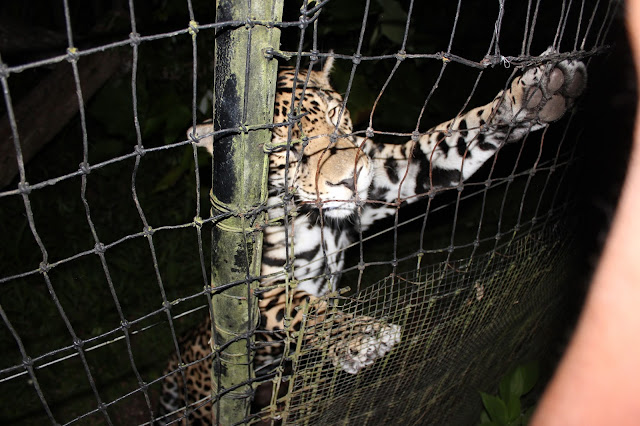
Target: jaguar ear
<point>328,66</point>
<point>204,134</point>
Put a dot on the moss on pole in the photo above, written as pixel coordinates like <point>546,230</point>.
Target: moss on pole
<point>244,90</point>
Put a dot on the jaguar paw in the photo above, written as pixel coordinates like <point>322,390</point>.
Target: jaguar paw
<point>363,344</point>
<point>544,93</point>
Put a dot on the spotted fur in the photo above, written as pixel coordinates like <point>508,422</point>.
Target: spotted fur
<point>334,179</point>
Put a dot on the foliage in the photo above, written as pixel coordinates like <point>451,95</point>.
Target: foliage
<point>506,408</point>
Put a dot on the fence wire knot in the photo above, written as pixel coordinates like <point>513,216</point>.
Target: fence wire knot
<point>198,222</point>
<point>44,267</point>
<point>193,28</point>
<point>268,52</point>
<point>194,139</point>
<point>85,168</point>
<point>303,22</point>
<point>369,133</point>
<point>24,188</point>
<point>4,70</point>
<point>72,54</point>
<point>134,38</point>
<point>147,231</point>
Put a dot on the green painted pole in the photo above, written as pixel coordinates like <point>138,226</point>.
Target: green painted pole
<point>244,90</point>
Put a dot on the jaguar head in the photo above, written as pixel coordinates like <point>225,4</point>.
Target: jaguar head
<point>313,151</point>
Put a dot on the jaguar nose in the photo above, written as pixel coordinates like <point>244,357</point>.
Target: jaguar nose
<point>351,182</point>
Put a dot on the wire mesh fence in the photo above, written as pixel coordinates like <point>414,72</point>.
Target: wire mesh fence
<point>394,303</point>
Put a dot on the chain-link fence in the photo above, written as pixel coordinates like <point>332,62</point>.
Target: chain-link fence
<point>366,308</point>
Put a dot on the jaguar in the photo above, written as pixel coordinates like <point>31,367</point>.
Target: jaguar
<point>331,184</point>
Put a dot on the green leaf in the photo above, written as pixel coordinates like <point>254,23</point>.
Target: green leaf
<point>392,20</point>
<point>375,36</point>
<point>520,381</point>
<point>169,179</point>
<point>393,31</point>
<point>516,383</point>
<point>495,407</point>
<point>530,374</point>
<point>484,417</point>
<point>513,409</point>
<point>392,11</point>
<point>504,389</point>
<point>175,173</point>
<point>152,125</point>
<point>104,148</point>
<point>115,121</point>
<point>176,123</point>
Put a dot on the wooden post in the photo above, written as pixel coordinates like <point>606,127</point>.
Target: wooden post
<point>244,91</point>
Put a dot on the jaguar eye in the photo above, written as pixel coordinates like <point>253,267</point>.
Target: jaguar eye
<point>333,114</point>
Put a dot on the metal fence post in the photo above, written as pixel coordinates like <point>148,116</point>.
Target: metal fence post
<point>244,90</point>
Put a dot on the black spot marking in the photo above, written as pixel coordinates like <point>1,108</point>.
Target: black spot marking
<point>266,260</point>
<point>377,194</point>
<point>390,166</point>
<point>483,145</point>
<point>462,147</point>
<point>463,127</point>
<point>445,177</point>
<point>280,314</point>
<point>443,146</point>
<point>273,302</point>
<point>422,179</point>
<point>308,255</point>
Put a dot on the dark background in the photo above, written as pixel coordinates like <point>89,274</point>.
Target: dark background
<point>167,188</point>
